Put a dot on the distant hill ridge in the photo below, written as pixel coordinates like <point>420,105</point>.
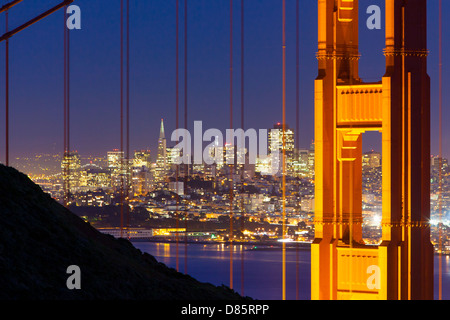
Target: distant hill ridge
<point>40,239</point>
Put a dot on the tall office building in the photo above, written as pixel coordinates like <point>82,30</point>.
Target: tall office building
<point>118,166</point>
<point>161,169</point>
<point>435,161</point>
<point>141,181</point>
<point>276,147</point>
<point>217,152</point>
<point>312,159</point>
<point>93,177</point>
<point>173,157</point>
<point>70,167</point>
<point>115,158</point>
<point>371,159</point>
<point>301,163</point>
<point>141,158</point>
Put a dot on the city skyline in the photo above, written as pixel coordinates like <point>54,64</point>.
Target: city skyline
<point>94,95</point>
<point>154,152</point>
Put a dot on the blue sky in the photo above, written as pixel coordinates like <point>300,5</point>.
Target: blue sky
<point>36,98</point>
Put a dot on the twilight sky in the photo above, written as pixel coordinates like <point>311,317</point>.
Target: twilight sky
<point>36,71</point>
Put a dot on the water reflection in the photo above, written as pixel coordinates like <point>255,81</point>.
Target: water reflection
<point>262,268</point>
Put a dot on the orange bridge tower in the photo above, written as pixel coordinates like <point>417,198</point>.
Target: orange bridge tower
<point>398,106</point>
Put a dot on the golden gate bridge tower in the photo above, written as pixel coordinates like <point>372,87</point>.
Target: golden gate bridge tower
<point>398,106</point>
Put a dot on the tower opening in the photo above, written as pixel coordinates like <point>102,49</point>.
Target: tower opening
<point>371,187</point>
<point>371,40</point>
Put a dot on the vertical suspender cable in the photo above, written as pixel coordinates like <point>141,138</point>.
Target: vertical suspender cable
<point>440,150</point>
<point>242,64</point>
<point>7,93</point>
<point>185,64</point>
<point>64,177</point>
<point>68,108</point>
<point>243,138</point>
<point>185,115</point>
<point>297,76</point>
<point>128,172</point>
<point>284,157</point>
<point>121,119</point>
<point>176,119</point>
<point>67,156</point>
<point>231,144</point>
<point>297,119</point>
<point>68,104</point>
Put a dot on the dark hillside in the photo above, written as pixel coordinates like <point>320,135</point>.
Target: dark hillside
<point>39,239</point>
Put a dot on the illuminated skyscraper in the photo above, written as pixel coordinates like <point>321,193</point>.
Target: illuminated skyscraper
<point>435,161</point>
<point>173,155</point>
<point>217,153</point>
<point>301,162</point>
<point>276,147</point>
<point>230,154</point>
<point>142,181</point>
<point>70,166</point>
<point>142,176</point>
<point>141,158</point>
<point>115,158</point>
<point>264,165</point>
<point>93,177</point>
<point>311,158</point>
<point>117,165</point>
<point>371,159</point>
<point>161,158</point>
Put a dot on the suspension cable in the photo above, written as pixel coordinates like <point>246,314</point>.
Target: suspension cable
<point>67,154</point>
<point>127,125</point>
<point>284,157</point>
<point>186,117</point>
<point>121,117</point>
<point>243,143</point>
<point>231,144</point>
<point>7,92</point>
<point>177,122</point>
<point>440,150</point>
<point>65,158</point>
<point>297,119</point>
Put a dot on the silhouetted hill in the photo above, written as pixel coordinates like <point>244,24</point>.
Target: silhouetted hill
<point>39,239</point>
